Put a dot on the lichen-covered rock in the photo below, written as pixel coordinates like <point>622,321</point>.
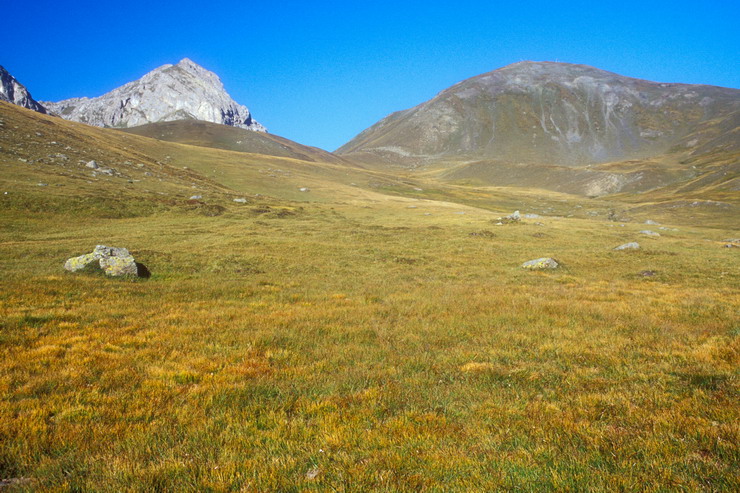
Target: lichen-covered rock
<point>119,266</point>
<point>113,261</point>
<point>541,263</point>
<point>78,263</point>
<point>633,245</point>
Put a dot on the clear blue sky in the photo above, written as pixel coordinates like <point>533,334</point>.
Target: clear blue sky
<point>321,72</point>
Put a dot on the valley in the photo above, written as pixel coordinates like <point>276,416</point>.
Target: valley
<point>334,321</point>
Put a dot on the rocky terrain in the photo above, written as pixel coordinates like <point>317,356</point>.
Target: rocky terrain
<point>185,91</point>
<point>555,114</point>
<point>14,92</point>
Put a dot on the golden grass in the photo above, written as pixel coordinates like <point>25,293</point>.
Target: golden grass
<point>347,341</point>
<point>337,349</point>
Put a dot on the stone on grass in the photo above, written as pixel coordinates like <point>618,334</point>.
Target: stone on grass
<point>196,197</point>
<point>114,261</point>
<point>651,222</point>
<point>541,263</point>
<point>633,245</point>
<point>241,200</point>
<point>92,165</point>
<point>647,232</point>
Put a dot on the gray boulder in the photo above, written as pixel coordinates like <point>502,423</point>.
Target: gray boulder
<point>541,263</point>
<point>114,261</point>
<point>633,245</point>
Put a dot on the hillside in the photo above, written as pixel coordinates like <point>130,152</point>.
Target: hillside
<point>547,113</point>
<point>206,134</point>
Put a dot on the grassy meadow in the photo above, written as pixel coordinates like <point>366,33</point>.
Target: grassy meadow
<point>362,342</point>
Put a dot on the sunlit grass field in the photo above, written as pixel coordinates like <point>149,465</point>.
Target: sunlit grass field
<point>347,347</point>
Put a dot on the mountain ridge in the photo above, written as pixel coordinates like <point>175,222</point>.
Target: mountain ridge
<point>14,92</point>
<point>544,112</point>
<point>167,93</point>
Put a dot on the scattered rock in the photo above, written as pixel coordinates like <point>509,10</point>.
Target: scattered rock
<point>663,228</point>
<point>196,197</point>
<point>633,245</point>
<point>647,232</point>
<point>732,245</point>
<point>114,261</point>
<point>92,165</point>
<point>647,273</point>
<point>532,216</point>
<point>43,184</point>
<point>303,189</point>
<point>541,263</point>
<point>651,222</point>
<point>240,201</point>
<point>483,234</point>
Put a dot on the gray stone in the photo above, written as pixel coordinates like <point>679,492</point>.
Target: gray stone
<point>240,201</point>
<point>92,165</point>
<point>629,246</point>
<point>541,263</point>
<point>114,261</point>
<point>196,197</point>
<point>651,222</point>
<point>647,232</point>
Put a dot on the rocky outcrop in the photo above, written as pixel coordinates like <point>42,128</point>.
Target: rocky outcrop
<point>114,261</point>
<point>14,92</point>
<point>185,91</point>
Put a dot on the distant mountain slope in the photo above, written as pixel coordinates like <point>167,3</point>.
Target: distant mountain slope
<point>14,92</point>
<point>207,134</point>
<point>170,92</point>
<point>554,114</point>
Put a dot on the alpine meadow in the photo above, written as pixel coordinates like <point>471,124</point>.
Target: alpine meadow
<point>263,315</point>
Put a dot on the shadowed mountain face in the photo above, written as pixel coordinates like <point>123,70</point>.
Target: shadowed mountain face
<point>555,114</point>
<point>185,91</point>
<point>14,92</point>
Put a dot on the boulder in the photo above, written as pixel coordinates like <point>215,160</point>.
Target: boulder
<point>114,261</point>
<point>541,263</point>
<point>633,245</point>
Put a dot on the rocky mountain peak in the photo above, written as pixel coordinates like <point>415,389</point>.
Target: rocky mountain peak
<point>185,91</point>
<point>14,92</point>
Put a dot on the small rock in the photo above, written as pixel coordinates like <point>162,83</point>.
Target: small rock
<point>647,273</point>
<point>240,200</point>
<point>647,232</point>
<point>541,263</point>
<point>303,189</point>
<point>532,216</point>
<point>312,473</point>
<point>732,245</point>
<point>629,246</point>
<point>92,165</point>
<point>43,184</point>
<point>651,222</point>
<point>196,197</point>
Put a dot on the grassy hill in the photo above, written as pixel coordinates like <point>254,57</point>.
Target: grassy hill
<point>372,333</point>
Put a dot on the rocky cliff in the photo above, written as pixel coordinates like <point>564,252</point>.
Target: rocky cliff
<point>170,92</point>
<point>14,92</point>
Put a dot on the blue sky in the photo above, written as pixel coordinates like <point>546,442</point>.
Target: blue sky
<point>320,72</point>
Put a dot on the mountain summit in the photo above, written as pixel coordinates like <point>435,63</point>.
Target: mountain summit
<point>14,92</point>
<point>548,113</point>
<point>185,91</point>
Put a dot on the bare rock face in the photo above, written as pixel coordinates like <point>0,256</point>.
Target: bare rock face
<point>14,92</point>
<point>185,91</point>
<point>114,261</point>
